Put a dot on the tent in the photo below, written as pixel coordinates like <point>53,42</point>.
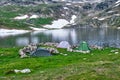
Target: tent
<point>83,47</point>
<point>63,44</point>
<point>40,52</point>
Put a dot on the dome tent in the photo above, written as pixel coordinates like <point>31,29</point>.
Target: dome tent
<point>83,47</point>
<point>40,52</point>
<point>63,44</point>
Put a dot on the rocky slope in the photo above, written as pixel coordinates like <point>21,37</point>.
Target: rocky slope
<point>104,14</point>
<point>97,13</point>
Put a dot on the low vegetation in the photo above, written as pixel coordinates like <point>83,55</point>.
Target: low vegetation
<point>97,65</point>
<point>8,13</point>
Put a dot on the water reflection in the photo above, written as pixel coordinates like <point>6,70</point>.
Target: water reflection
<point>73,36</point>
<point>94,36</point>
<point>22,41</point>
<point>57,34</point>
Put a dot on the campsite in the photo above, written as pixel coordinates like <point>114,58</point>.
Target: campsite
<point>59,39</point>
<point>67,65</point>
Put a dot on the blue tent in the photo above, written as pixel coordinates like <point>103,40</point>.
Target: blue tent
<point>40,52</point>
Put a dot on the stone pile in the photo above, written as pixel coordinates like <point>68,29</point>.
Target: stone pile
<point>27,49</point>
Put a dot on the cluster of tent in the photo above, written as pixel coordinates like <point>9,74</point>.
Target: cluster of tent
<point>83,47</point>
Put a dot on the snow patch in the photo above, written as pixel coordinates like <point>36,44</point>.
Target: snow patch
<point>101,19</point>
<point>7,32</point>
<point>95,18</point>
<point>110,11</point>
<point>118,28</point>
<point>37,29</point>
<point>117,1</point>
<point>60,23</point>
<point>96,1</point>
<point>21,17</point>
<point>34,16</point>
<point>88,1</point>
<point>68,4</point>
<point>117,4</point>
<point>73,19</point>
<point>62,14</point>
<point>25,17</point>
<point>117,14</point>
<point>65,8</point>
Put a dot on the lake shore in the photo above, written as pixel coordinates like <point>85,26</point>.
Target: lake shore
<point>57,24</point>
<point>8,32</point>
<point>13,32</point>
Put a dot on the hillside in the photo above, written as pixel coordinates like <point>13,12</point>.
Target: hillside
<point>100,13</point>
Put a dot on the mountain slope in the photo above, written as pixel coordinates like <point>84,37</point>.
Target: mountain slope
<point>102,13</point>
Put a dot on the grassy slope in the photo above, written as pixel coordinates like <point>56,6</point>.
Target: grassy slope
<point>7,13</point>
<point>98,65</point>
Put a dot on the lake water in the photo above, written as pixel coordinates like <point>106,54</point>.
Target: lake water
<point>94,36</point>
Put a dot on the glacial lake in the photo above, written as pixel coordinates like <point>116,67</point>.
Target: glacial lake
<point>94,36</point>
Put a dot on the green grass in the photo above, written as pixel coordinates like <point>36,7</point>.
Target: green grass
<point>40,21</point>
<point>7,13</point>
<point>98,65</point>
